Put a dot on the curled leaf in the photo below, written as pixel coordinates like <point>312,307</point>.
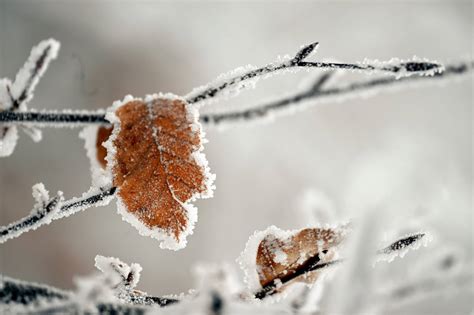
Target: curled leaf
<point>154,156</point>
<point>275,258</point>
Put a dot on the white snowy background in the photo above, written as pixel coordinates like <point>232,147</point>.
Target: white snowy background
<point>403,152</point>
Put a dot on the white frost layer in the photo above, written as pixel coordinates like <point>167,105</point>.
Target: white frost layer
<point>41,214</point>
<point>25,78</point>
<point>100,177</point>
<point>8,139</point>
<point>8,135</point>
<point>389,257</point>
<point>240,85</point>
<point>167,241</point>
<point>118,271</point>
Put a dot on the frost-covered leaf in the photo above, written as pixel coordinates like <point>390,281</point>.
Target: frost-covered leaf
<point>154,155</point>
<point>276,258</point>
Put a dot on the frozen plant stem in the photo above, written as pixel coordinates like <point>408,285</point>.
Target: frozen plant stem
<point>40,217</point>
<point>417,69</point>
<point>317,94</point>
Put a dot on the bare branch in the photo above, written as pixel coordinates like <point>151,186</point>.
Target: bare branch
<point>395,67</point>
<point>53,210</point>
<point>14,291</point>
<point>315,94</point>
<point>51,300</point>
<point>25,82</point>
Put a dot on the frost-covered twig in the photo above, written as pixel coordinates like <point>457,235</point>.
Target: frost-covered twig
<point>70,118</point>
<point>55,209</point>
<point>14,291</point>
<point>111,291</point>
<point>227,84</point>
<point>317,94</point>
<point>314,264</point>
<point>15,95</point>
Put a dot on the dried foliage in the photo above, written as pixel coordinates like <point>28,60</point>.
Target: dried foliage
<point>158,166</point>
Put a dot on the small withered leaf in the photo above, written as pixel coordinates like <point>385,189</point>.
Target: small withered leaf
<point>158,167</point>
<point>284,257</point>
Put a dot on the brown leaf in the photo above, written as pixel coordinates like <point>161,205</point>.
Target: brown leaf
<point>158,167</point>
<point>284,256</point>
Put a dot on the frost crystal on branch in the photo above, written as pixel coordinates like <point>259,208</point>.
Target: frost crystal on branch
<point>54,209</point>
<point>232,83</point>
<point>15,95</point>
<point>43,213</point>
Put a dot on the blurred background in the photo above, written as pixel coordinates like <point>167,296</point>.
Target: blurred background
<point>408,151</point>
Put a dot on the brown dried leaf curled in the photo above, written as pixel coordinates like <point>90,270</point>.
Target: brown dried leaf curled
<point>155,160</point>
<point>283,257</point>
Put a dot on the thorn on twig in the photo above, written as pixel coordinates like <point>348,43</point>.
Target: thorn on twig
<point>401,243</point>
<point>304,52</point>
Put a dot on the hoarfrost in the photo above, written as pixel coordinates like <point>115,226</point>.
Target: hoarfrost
<point>15,95</point>
<point>33,69</point>
<point>43,212</point>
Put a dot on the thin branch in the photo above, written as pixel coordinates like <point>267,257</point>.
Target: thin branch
<point>315,93</point>
<point>394,67</point>
<point>29,75</point>
<point>13,291</point>
<point>54,118</point>
<point>40,217</point>
<point>16,292</point>
<point>318,95</point>
<point>313,264</point>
